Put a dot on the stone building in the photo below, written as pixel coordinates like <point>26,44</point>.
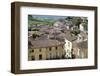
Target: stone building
<point>68,43</point>
<point>80,50</point>
<point>75,50</point>
<point>82,37</point>
<point>45,50</point>
<point>83,46</point>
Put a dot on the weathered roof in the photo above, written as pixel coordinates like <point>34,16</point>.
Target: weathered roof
<point>45,43</point>
<point>42,37</point>
<point>83,34</point>
<point>60,37</point>
<point>30,33</point>
<point>75,44</point>
<point>39,26</point>
<point>83,44</point>
<point>69,37</point>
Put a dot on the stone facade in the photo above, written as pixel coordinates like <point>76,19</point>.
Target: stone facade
<point>53,52</point>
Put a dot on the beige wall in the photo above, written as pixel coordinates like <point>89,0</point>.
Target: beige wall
<point>47,53</point>
<point>76,52</point>
<point>84,52</point>
<point>68,48</point>
<point>80,53</point>
<point>36,53</point>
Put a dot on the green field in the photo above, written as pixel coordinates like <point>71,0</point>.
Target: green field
<point>40,21</point>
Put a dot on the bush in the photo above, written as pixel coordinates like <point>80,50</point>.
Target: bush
<point>35,35</point>
<point>76,32</point>
<point>35,29</point>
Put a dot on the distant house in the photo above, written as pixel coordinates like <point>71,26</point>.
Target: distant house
<point>68,44</point>
<point>42,37</point>
<point>45,50</point>
<point>68,48</point>
<point>30,33</point>
<point>68,27</point>
<point>82,37</point>
<point>58,23</point>
<point>75,50</point>
<point>81,27</point>
<point>79,38</point>
<point>80,50</point>
<point>83,46</point>
<point>60,37</point>
<point>68,24</point>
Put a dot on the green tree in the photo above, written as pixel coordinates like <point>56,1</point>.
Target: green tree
<point>76,21</point>
<point>35,35</point>
<point>85,23</point>
<point>35,29</point>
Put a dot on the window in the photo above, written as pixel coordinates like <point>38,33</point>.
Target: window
<point>40,57</point>
<point>32,50</point>
<point>50,49</point>
<point>32,58</point>
<point>56,48</point>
